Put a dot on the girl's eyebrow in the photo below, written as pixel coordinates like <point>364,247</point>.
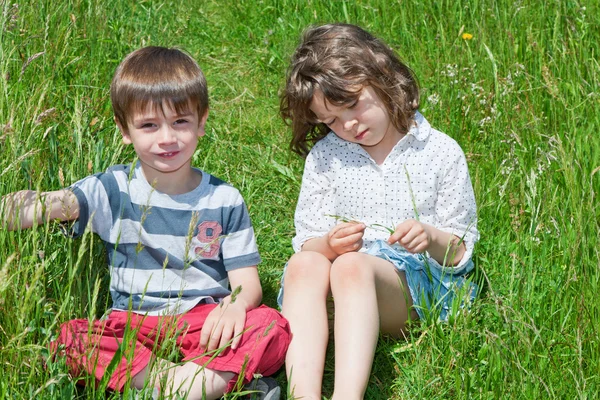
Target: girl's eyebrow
<point>318,117</point>
<point>321,119</point>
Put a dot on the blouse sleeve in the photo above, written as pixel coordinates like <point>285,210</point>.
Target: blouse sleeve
<point>455,207</point>
<point>316,201</point>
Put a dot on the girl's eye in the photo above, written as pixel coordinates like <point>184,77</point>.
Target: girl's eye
<point>354,104</point>
<point>330,122</point>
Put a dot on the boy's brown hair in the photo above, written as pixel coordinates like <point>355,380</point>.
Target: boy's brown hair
<point>157,76</point>
<point>340,60</point>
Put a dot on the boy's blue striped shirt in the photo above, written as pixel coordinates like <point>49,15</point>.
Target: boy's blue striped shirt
<point>166,253</point>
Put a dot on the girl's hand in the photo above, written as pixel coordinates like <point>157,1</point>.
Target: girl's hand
<point>224,323</point>
<point>414,236</point>
<point>346,237</point>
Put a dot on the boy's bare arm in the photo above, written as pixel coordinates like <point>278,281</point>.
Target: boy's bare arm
<point>26,208</point>
<point>250,292</point>
<point>227,321</point>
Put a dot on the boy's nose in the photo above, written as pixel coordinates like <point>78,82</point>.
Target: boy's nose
<point>167,136</point>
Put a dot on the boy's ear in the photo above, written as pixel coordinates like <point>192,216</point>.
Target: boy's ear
<point>202,123</point>
<point>124,135</point>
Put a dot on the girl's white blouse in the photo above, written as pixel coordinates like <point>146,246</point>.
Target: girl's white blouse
<point>425,174</point>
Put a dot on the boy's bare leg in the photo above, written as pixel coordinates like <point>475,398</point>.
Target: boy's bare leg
<point>370,295</point>
<point>189,378</point>
<point>306,286</point>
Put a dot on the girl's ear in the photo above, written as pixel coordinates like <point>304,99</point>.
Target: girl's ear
<point>124,134</point>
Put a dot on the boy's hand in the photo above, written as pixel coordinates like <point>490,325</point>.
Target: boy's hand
<point>346,237</point>
<point>224,323</point>
<point>414,236</point>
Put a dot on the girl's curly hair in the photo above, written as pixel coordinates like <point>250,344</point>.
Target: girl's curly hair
<point>340,60</point>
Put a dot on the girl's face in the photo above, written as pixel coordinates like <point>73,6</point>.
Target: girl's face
<point>365,121</point>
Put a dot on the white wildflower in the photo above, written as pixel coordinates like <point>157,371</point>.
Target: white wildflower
<point>433,99</point>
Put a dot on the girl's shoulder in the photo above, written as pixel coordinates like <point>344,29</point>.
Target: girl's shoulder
<point>437,140</point>
<point>329,146</point>
<point>443,139</point>
<point>423,130</point>
<point>329,140</point>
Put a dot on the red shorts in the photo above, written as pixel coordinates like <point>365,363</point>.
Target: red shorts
<point>90,347</point>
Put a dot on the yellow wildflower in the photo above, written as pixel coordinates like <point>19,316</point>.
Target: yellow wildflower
<point>467,36</point>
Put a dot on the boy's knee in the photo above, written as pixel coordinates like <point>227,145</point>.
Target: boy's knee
<point>264,319</point>
<point>71,334</point>
<point>272,338</point>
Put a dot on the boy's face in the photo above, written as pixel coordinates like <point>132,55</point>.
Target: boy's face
<point>165,142</point>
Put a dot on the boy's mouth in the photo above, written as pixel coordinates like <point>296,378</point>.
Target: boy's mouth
<point>169,154</point>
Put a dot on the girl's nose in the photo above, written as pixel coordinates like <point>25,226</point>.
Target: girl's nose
<point>350,123</point>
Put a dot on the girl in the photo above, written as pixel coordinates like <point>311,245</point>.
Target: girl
<point>402,191</point>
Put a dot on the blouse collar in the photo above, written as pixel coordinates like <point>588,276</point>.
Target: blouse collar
<point>420,130</point>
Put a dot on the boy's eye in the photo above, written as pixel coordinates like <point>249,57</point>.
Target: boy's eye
<point>147,125</point>
<point>181,121</point>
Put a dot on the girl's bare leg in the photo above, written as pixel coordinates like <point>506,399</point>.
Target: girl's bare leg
<point>306,287</point>
<point>370,295</point>
<point>188,378</point>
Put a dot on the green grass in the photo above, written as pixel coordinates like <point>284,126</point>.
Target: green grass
<point>521,98</point>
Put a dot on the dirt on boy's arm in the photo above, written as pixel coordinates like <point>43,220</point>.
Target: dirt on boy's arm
<point>25,208</point>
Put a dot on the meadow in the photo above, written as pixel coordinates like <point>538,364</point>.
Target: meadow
<point>516,83</point>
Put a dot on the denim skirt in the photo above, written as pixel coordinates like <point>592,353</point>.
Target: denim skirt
<point>436,291</point>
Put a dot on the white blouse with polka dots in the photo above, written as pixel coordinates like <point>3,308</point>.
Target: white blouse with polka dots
<point>425,174</point>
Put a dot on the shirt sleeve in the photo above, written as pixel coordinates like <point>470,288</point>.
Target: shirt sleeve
<point>93,193</point>
<point>239,247</point>
<point>316,202</point>
<point>455,207</point>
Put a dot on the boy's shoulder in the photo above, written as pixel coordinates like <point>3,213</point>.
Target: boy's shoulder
<point>214,181</point>
<point>126,168</point>
<point>124,178</point>
<point>110,173</point>
<point>107,178</point>
<point>219,187</point>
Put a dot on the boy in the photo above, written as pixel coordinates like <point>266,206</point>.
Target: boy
<point>175,237</point>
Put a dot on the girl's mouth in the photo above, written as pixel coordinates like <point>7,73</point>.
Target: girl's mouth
<point>361,135</point>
